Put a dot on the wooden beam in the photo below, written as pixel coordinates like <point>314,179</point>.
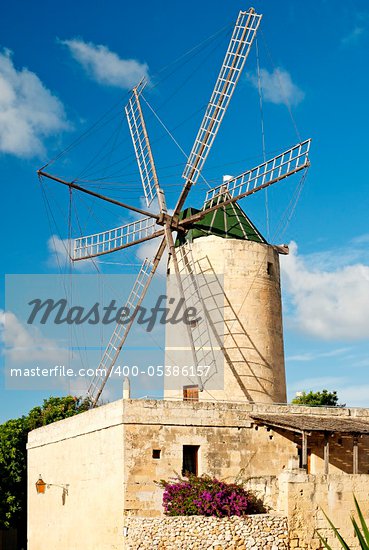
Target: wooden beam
<point>326,453</point>
<point>355,455</point>
<point>72,185</point>
<point>304,453</point>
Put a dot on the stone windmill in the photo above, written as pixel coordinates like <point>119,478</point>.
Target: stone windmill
<point>222,236</point>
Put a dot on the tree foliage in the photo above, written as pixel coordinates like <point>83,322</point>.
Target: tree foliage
<point>13,455</point>
<point>317,399</point>
<point>13,478</point>
<point>206,496</point>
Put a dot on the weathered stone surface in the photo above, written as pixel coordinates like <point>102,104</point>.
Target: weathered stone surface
<point>252,307</point>
<point>105,457</point>
<point>305,498</point>
<point>247,533</point>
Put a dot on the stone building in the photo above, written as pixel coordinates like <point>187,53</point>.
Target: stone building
<point>100,467</point>
<point>109,458</point>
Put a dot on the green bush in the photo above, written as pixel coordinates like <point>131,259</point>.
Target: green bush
<point>323,398</point>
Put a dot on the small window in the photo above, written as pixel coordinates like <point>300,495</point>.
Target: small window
<point>190,459</point>
<point>270,269</point>
<point>156,453</point>
<point>190,393</point>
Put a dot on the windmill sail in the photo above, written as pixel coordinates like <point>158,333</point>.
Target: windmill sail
<point>121,331</point>
<point>238,50</point>
<point>286,164</point>
<point>115,239</point>
<point>141,144</point>
<point>203,340</point>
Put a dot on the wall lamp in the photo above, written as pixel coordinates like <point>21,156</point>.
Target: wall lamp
<point>41,487</point>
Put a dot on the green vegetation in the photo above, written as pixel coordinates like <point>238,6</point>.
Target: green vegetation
<point>13,456</point>
<point>318,399</point>
<point>361,532</point>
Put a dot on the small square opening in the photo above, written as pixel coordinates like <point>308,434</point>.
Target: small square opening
<point>156,453</point>
<point>190,393</point>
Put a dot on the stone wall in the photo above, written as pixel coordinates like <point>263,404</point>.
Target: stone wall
<point>84,455</point>
<point>252,311</point>
<point>303,498</point>
<point>229,447</point>
<point>264,532</point>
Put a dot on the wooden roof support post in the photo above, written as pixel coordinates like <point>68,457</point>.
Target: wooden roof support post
<point>355,455</point>
<point>326,452</point>
<point>304,450</point>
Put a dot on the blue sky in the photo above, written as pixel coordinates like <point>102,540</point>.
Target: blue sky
<point>64,66</point>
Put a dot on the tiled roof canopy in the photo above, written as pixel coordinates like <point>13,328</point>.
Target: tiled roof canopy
<point>313,423</point>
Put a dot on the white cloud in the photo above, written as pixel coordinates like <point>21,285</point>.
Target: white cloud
<point>59,255</point>
<point>25,345</point>
<point>361,239</point>
<point>149,249</point>
<point>317,384</point>
<point>353,36</point>
<point>360,363</point>
<point>354,396</point>
<point>105,66</point>
<point>278,87</point>
<point>313,356</point>
<point>330,305</point>
<point>358,29</point>
<point>29,112</point>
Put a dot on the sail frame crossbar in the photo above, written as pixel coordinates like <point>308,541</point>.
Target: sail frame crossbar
<point>141,144</point>
<point>238,50</point>
<point>117,238</point>
<point>283,165</point>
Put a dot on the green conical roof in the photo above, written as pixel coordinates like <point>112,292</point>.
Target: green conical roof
<point>228,222</point>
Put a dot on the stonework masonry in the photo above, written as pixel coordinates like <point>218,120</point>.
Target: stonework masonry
<point>252,311</point>
<point>260,532</point>
<point>303,498</point>
<point>229,446</point>
<point>104,457</point>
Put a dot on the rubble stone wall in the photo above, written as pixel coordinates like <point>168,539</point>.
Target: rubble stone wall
<point>262,531</point>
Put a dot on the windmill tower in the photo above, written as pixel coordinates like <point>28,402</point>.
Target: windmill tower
<point>228,254</point>
<point>217,257</point>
